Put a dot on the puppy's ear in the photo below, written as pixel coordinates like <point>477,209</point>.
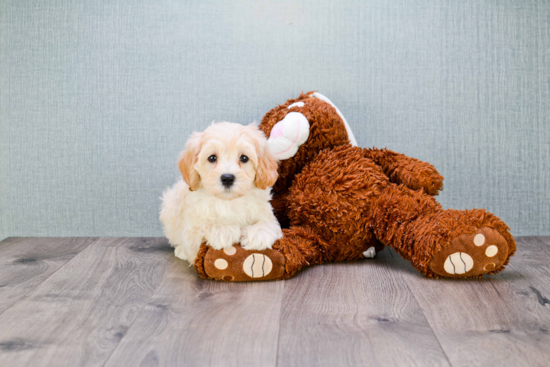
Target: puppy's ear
<point>266,171</point>
<point>187,161</point>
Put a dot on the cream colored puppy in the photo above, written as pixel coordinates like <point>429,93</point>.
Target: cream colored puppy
<point>225,192</point>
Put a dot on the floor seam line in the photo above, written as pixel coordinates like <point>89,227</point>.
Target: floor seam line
<point>279,330</point>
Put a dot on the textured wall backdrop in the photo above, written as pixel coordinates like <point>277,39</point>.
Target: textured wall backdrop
<point>98,97</point>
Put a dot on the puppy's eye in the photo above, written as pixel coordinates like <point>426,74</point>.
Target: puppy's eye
<point>212,158</point>
<point>243,158</point>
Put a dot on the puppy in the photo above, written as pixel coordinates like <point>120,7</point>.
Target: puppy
<point>225,192</point>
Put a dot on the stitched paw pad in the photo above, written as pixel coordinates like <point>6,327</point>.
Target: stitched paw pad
<point>471,254</point>
<point>237,264</point>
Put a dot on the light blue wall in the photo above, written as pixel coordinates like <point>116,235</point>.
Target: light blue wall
<point>98,97</point>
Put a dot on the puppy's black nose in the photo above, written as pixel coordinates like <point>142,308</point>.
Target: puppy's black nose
<point>228,179</point>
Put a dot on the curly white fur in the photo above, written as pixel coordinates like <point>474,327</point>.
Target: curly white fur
<point>200,208</point>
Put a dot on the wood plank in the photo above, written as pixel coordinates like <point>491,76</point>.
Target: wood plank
<point>354,314</point>
<point>531,261</point>
<point>533,287</point>
<point>27,262</point>
<point>494,321</point>
<point>79,315</point>
<point>195,322</point>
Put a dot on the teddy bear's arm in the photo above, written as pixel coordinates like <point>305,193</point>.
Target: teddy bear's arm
<point>411,172</point>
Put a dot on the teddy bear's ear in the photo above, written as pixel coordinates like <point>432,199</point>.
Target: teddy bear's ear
<point>287,135</point>
<point>351,137</point>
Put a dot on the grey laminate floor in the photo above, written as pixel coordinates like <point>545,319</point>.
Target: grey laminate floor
<point>130,302</point>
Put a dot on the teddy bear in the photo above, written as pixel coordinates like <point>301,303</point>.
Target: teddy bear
<point>337,202</point>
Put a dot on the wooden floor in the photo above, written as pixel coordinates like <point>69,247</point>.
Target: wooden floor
<point>130,302</point>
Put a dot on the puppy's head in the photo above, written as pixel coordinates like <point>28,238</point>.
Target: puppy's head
<point>228,160</point>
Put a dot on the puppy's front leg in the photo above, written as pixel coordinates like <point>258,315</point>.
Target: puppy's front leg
<point>223,236</point>
<point>261,235</point>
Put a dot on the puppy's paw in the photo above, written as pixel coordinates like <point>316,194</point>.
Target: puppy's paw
<point>260,237</point>
<point>221,237</point>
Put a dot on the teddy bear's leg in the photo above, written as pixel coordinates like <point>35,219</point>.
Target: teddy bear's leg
<point>437,242</point>
<point>303,246</point>
<point>299,247</point>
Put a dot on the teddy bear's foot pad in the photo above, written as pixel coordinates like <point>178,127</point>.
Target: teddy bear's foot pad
<point>235,264</point>
<point>472,254</point>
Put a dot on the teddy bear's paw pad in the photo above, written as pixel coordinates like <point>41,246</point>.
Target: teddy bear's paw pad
<point>288,134</point>
<point>237,264</point>
<point>471,254</point>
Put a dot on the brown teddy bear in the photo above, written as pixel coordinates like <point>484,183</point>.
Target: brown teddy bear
<point>338,202</point>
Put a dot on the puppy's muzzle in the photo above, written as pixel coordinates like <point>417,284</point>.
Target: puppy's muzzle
<point>227,180</point>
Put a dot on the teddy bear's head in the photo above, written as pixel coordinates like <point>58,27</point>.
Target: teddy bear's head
<point>299,129</point>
